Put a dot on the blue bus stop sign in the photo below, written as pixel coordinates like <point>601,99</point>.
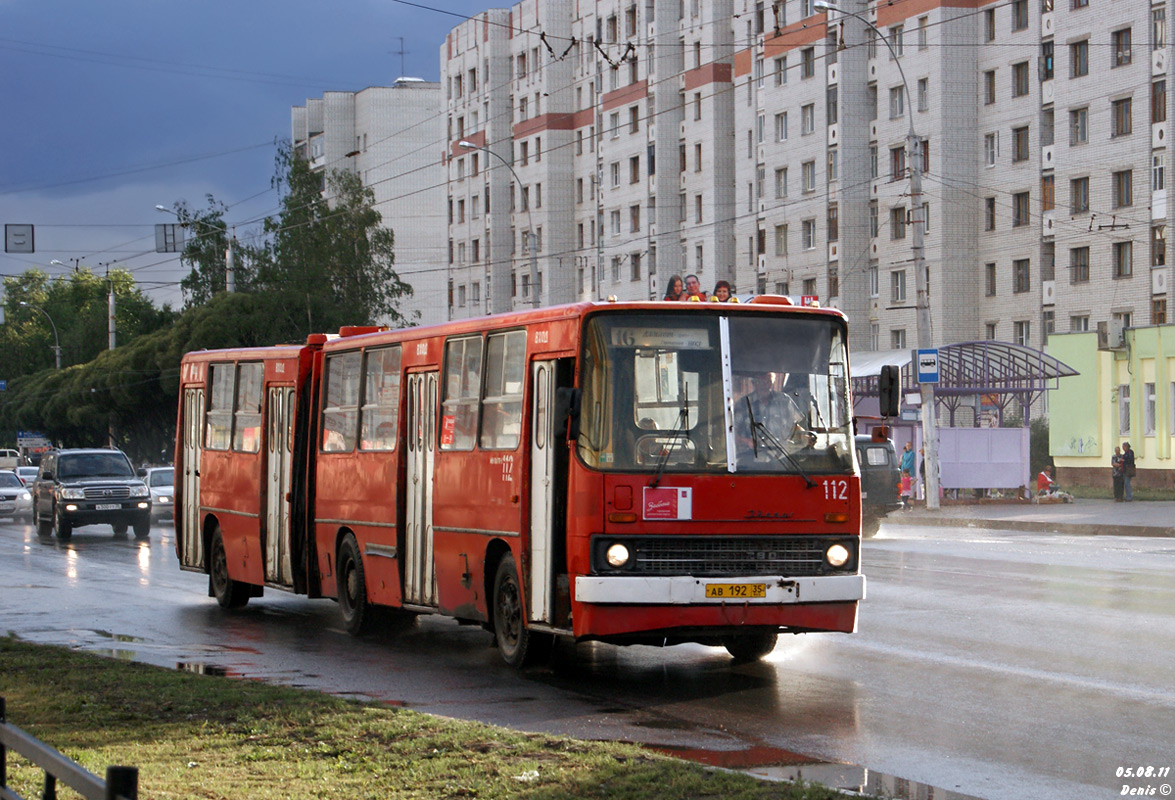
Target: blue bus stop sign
<point>928,366</point>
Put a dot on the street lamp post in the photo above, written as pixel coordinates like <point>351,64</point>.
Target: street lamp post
<point>56,341</point>
<point>530,234</point>
<point>914,167</point>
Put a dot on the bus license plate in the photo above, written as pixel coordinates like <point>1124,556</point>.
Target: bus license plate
<point>107,506</point>
<point>736,591</point>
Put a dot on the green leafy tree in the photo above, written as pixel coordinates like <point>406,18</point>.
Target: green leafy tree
<point>330,259</point>
<point>205,245</point>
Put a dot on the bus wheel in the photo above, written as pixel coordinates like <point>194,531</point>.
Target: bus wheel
<point>229,593</point>
<point>518,645</point>
<point>353,588</point>
<point>751,646</point>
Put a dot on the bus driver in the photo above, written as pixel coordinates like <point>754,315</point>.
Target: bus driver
<point>771,409</point>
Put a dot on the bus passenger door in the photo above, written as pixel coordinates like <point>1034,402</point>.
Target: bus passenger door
<point>192,552</point>
<point>420,582</point>
<point>279,469</point>
<point>542,469</point>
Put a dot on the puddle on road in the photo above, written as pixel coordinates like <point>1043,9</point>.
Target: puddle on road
<point>118,637</point>
<point>775,764</point>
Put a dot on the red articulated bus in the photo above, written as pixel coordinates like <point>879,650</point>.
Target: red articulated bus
<point>633,473</point>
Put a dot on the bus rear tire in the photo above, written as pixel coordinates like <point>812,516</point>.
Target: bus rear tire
<point>518,645</point>
<point>229,593</point>
<point>751,646</point>
<point>353,604</point>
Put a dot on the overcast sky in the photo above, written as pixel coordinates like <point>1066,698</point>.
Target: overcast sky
<point>112,107</point>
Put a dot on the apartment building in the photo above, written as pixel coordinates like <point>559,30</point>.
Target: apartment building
<point>390,136</point>
<point>765,143</point>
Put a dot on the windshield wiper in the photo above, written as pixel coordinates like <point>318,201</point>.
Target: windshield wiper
<point>680,428</point>
<point>774,445</point>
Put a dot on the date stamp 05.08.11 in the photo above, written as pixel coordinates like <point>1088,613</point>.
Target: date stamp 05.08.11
<point>1144,781</point>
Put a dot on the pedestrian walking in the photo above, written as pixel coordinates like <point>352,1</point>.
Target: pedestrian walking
<point>1118,473</point>
<point>1127,471</point>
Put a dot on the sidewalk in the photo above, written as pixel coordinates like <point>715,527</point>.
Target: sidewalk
<point>1081,517</point>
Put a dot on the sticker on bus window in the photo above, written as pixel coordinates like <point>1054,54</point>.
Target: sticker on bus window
<point>668,502</point>
<point>448,429</point>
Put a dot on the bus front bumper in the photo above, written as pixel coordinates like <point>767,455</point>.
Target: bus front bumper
<point>686,590</point>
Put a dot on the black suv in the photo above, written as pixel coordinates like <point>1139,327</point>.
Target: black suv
<point>90,487</point>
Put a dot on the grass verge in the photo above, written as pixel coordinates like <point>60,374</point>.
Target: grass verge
<point>196,736</point>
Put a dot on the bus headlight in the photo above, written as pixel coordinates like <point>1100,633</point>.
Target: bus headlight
<point>837,555</point>
<point>617,555</point>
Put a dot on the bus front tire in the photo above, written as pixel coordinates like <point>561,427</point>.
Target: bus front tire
<point>353,604</point>
<point>228,592</point>
<point>751,646</point>
<point>518,645</point>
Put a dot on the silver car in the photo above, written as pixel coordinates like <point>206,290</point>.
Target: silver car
<point>27,474</point>
<point>161,482</point>
<point>16,500</point>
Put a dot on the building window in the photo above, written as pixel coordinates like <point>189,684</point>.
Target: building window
<point>1046,60</point>
<point>895,41</point>
<point>989,25</point>
<point>989,331</point>
<point>1019,15</point>
<point>1079,57</point>
<point>1121,117</point>
<point>897,339</point>
<point>1020,79</point>
<point>1123,259</point>
<point>1079,323</point>
<point>897,163</point>
<point>1022,333</point>
<point>989,279</point>
<point>1159,312</point>
<point>897,286</point>
<point>1020,144</point>
<point>923,24</point>
<point>781,70</point>
<point>1019,209</point>
<point>832,163</point>
<point>781,183</point>
<point>1020,275</point>
<point>1122,187</point>
<point>808,62</point>
<point>1120,47</point>
<point>1079,265</point>
<point>809,176</point>
<point>781,240</point>
<point>1048,192</point>
<point>989,213</point>
<point>1158,171</point>
<point>1159,101</point>
<point>990,149</point>
<point>634,219</point>
<point>781,127</point>
<point>897,222</point>
<point>874,222</point>
<point>1159,246</point>
<point>897,104</point>
<point>924,94</point>
<point>1079,196</point>
<point>697,208</point>
<point>809,234</point>
<point>833,226</point>
<point>1123,409</point>
<point>1158,28</point>
<point>808,119</point>
<point>1078,126</point>
<point>874,288</point>
<point>1148,409</point>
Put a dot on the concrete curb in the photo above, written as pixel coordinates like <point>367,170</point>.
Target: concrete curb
<point>1033,526</point>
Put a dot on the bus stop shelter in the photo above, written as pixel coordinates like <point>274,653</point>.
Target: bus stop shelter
<point>980,385</point>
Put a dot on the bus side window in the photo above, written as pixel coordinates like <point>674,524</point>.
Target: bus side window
<point>381,400</point>
<point>218,425</point>
<point>247,422</point>
<point>340,415</point>
<point>502,407</point>
<point>462,388</point>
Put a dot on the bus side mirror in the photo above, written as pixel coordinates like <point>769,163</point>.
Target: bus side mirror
<point>567,400</point>
<point>889,387</point>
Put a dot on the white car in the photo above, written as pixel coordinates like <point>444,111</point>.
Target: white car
<point>16,500</point>
<point>161,482</point>
<point>27,474</point>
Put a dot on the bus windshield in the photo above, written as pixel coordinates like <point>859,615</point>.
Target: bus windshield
<point>722,392</point>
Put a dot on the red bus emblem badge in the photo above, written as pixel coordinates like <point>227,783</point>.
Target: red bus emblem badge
<point>667,502</point>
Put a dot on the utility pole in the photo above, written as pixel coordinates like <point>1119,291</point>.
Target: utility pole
<point>230,275</point>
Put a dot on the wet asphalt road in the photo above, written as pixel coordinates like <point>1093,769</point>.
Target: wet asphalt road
<point>991,664</point>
